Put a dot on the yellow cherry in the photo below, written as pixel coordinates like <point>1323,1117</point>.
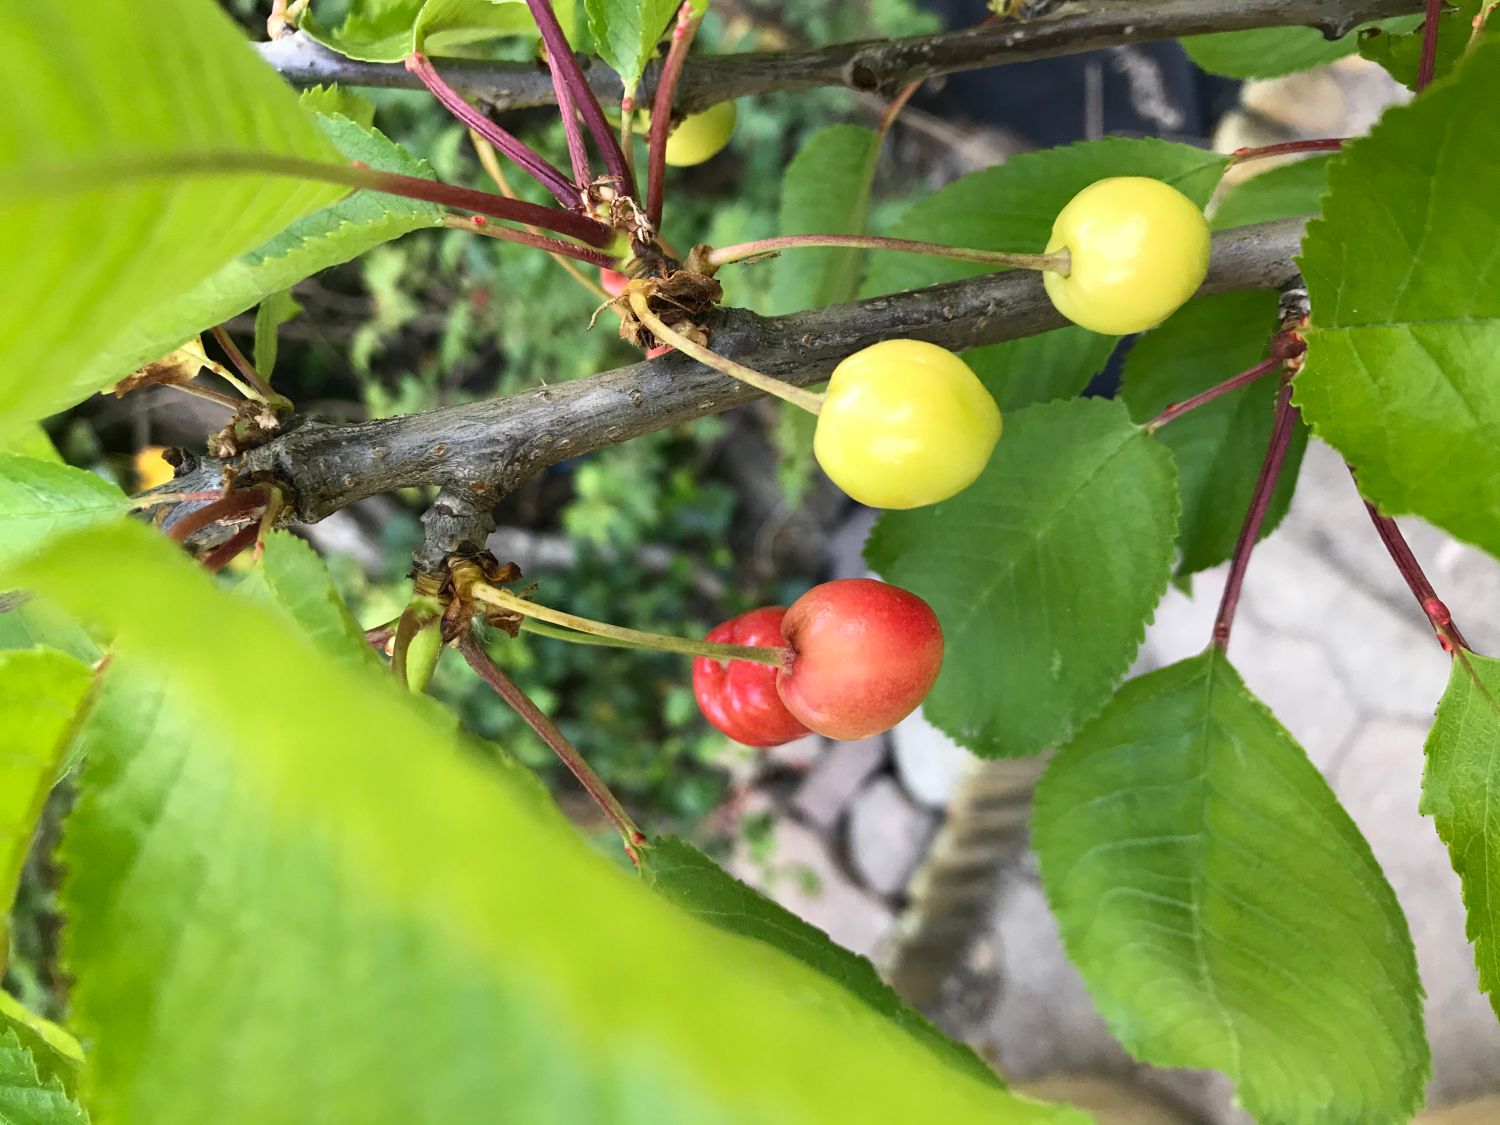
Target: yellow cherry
<point>1138,250</point>
<point>905,423</point>
<point>700,136</point>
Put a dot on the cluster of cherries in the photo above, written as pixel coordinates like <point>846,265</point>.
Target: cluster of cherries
<point>904,424</point>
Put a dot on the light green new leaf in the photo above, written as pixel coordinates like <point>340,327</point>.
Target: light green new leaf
<point>57,1055</point>
<point>1403,270</point>
<point>1401,52</point>
<point>826,191</point>
<point>40,693</point>
<point>95,234</point>
<point>40,498</point>
<point>1224,910</point>
<point>1043,573</point>
<point>390,30</point>
<point>681,873</point>
<point>32,441</point>
<point>339,101</point>
<point>1272,51</point>
<point>325,238</point>
<point>1461,792</point>
<point>1218,446</point>
<point>1283,192</point>
<point>626,33</point>
<point>1012,207</point>
<point>26,1098</point>
<point>28,622</point>
<point>344,919</point>
<point>273,312</point>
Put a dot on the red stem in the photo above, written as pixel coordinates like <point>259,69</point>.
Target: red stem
<point>1427,67</point>
<point>566,73</point>
<point>1327,144</point>
<point>512,146</point>
<point>547,731</point>
<point>236,505</point>
<point>1281,435</point>
<point>217,559</point>
<point>1401,554</point>
<point>241,364</point>
<point>1178,409</point>
<point>661,111</point>
<point>478,225</point>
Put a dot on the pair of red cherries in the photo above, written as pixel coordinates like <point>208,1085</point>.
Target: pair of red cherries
<point>860,656</point>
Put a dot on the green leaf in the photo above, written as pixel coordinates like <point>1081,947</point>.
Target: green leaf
<point>32,441</point>
<point>28,622</point>
<point>626,32</point>
<point>293,578</point>
<point>682,874</point>
<point>1012,207</point>
<point>94,237</point>
<point>57,1055</point>
<point>1282,192</point>
<point>339,101</point>
<point>1403,271</point>
<point>1224,910</point>
<point>1461,792</point>
<point>273,312</point>
<point>1401,52</point>
<point>389,30</point>
<point>457,955</point>
<point>25,1097</point>
<point>1218,446</point>
<point>1043,573</point>
<point>826,191</point>
<point>325,238</point>
<point>40,498</point>
<point>1272,51</point>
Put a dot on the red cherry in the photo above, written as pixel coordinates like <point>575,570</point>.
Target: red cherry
<point>739,697</point>
<point>613,281</point>
<point>865,654</point>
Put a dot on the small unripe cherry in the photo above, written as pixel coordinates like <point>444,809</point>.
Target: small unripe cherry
<point>864,655</point>
<point>701,136</point>
<point>1138,250</point>
<point>905,423</point>
<point>739,697</point>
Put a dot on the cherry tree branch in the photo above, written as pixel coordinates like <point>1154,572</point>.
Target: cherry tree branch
<point>882,66</point>
<point>480,451</point>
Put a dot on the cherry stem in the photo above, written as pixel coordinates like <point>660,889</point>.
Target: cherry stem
<point>261,388</point>
<point>491,164</point>
<point>158,499</point>
<point>1057,262</point>
<point>1427,66</point>
<point>572,87</point>
<point>813,403</point>
<point>661,110</point>
<point>1448,633</point>
<point>554,246</point>
<point>508,690</point>
<point>1286,148</point>
<point>631,638</point>
<point>1282,428</point>
<point>408,625</point>
<point>507,142</point>
<point>275,504</point>
<point>208,394</point>
<point>542,629</point>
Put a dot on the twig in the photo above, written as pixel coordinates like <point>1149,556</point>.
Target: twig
<point>508,690</point>
<point>872,66</point>
<point>661,111</point>
<point>810,402</point>
<point>1281,435</point>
